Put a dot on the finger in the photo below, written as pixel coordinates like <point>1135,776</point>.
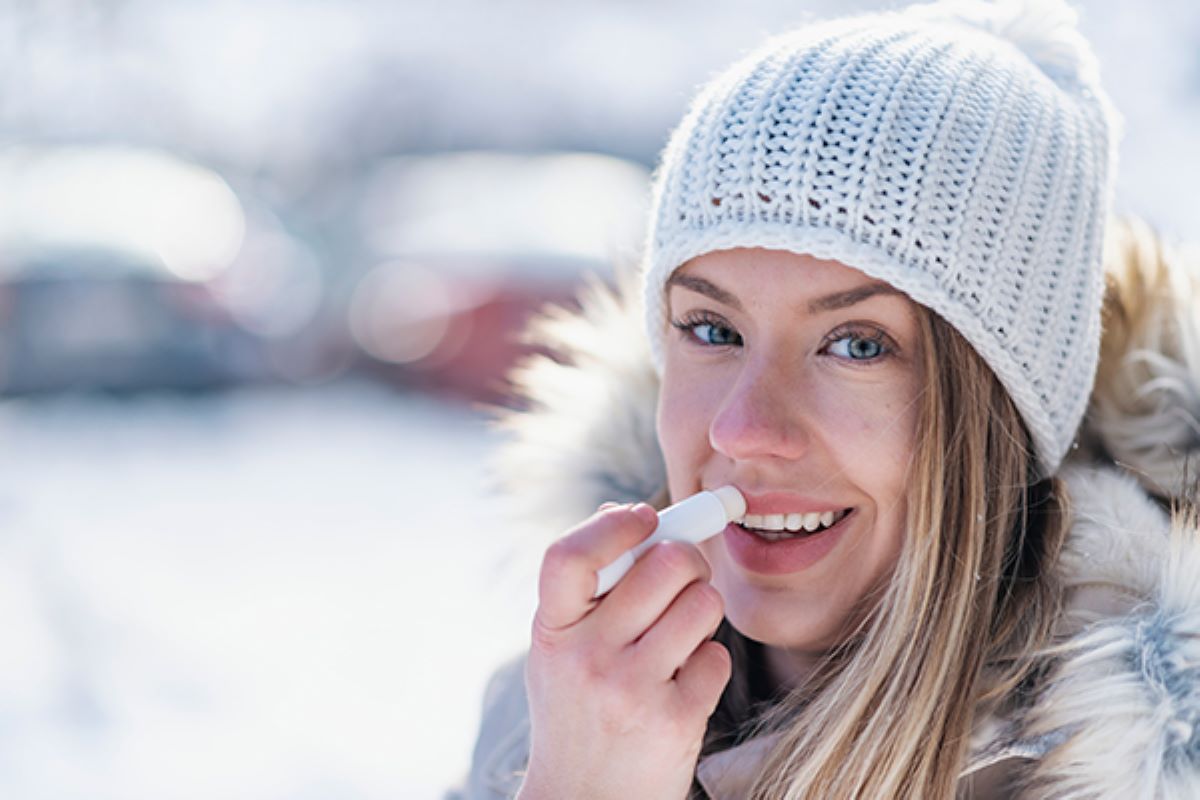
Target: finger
<point>691,619</point>
<point>649,588</point>
<point>568,575</point>
<point>702,678</point>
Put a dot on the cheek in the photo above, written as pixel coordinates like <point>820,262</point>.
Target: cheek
<point>872,425</point>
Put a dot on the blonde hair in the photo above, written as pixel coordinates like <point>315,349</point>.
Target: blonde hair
<point>949,636</point>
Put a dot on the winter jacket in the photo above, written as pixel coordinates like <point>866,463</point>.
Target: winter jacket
<point>1118,714</point>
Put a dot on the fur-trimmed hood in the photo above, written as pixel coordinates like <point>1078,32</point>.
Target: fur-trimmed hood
<point>1120,714</point>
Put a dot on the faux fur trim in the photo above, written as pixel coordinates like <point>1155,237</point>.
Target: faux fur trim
<point>1117,540</point>
<point>587,434</point>
<point>1124,695</point>
<point>1145,408</point>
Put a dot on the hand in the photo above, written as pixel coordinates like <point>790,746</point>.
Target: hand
<point>621,688</point>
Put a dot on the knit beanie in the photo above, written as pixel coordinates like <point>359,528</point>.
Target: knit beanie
<point>963,152</point>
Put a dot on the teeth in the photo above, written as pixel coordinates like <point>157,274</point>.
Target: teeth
<point>774,527</point>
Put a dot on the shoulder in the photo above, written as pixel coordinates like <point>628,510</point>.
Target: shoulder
<point>1118,711</point>
<point>502,747</point>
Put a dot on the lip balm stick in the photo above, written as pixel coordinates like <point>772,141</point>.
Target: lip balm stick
<point>692,519</point>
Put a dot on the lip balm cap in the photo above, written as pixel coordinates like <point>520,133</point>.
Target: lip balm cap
<point>732,500</point>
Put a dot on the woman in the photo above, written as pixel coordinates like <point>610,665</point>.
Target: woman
<point>872,292</point>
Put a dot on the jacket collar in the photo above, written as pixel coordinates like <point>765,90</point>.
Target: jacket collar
<point>729,774</point>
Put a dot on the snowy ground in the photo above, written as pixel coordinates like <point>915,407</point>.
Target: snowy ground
<point>269,594</point>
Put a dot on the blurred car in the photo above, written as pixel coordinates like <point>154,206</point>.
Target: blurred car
<point>466,246</point>
<point>96,320</point>
<point>449,330</point>
<point>124,269</point>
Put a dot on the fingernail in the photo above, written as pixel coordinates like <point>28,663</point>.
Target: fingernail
<point>646,512</point>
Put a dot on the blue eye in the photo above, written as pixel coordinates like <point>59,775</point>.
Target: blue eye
<point>854,347</point>
<point>715,334</point>
<point>709,332</point>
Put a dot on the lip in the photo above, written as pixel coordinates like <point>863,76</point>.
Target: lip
<point>788,503</point>
<point>757,555</point>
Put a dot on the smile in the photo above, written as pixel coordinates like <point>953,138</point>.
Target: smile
<point>773,527</point>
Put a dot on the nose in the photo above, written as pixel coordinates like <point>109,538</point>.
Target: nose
<point>762,415</point>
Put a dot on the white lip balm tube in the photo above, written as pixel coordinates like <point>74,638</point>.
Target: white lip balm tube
<point>692,519</point>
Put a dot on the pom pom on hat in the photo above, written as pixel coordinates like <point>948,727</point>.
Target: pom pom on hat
<point>961,151</point>
<point>1044,30</point>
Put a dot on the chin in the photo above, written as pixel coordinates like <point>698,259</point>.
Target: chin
<point>777,620</point>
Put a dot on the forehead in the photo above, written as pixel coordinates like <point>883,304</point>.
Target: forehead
<point>758,275</point>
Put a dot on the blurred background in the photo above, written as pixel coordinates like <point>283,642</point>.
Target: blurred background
<point>261,269</point>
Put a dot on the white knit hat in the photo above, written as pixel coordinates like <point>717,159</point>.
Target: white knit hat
<point>961,151</point>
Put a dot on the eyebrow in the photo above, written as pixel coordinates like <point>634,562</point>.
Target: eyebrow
<point>830,302</point>
<point>706,288</point>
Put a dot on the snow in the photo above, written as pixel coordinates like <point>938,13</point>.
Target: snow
<point>261,595</point>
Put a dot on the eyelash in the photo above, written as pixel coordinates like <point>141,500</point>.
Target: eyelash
<point>691,321</point>
<point>688,324</point>
<point>887,348</point>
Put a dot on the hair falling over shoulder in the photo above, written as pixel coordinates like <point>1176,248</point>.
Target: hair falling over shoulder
<point>954,631</point>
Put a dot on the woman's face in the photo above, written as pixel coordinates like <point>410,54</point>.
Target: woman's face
<point>795,380</point>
